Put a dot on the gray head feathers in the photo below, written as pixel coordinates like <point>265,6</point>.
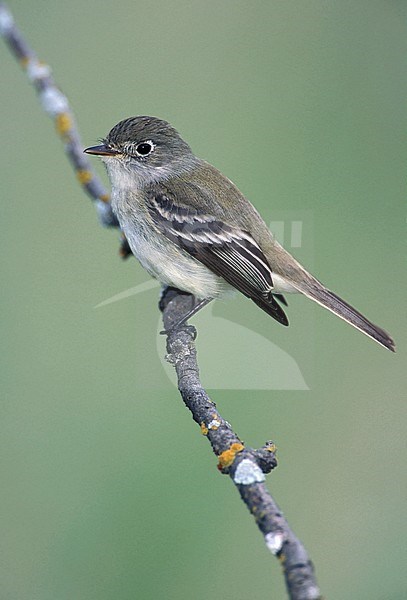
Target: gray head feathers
<point>129,133</point>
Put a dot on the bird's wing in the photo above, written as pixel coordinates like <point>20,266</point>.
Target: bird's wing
<point>229,252</point>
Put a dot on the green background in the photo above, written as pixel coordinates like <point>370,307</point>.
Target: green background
<point>108,488</point>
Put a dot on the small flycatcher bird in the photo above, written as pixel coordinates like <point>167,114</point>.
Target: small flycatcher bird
<point>191,228</point>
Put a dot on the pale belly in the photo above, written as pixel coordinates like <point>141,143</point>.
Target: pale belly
<point>172,266</point>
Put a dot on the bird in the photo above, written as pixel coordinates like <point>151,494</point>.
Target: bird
<point>191,228</point>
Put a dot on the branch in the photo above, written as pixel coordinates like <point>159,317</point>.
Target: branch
<point>245,466</point>
<point>56,105</point>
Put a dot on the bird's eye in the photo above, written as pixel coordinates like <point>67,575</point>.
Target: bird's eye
<point>144,148</point>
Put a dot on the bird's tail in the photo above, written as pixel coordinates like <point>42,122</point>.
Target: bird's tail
<point>320,294</point>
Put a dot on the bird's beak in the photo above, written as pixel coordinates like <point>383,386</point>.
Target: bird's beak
<point>102,150</point>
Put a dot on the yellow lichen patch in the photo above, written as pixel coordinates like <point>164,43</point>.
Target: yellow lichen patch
<point>281,558</point>
<point>24,60</point>
<point>63,123</point>
<point>84,176</point>
<point>204,429</point>
<point>271,448</point>
<point>228,456</point>
<point>104,198</point>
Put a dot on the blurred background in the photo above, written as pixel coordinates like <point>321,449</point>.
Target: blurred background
<point>108,488</point>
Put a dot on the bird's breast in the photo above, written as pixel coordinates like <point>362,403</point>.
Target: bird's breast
<point>160,256</point>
